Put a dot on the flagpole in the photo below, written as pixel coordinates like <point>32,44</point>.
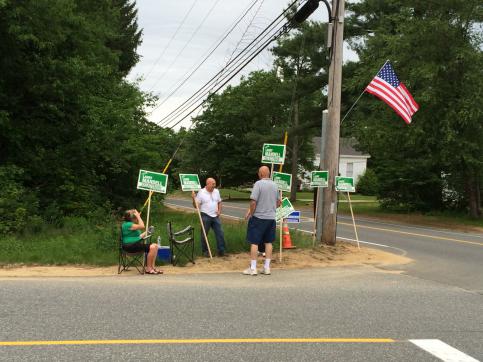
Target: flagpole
<point>357,100</point>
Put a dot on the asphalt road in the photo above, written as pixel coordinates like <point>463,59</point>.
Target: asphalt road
<point>430,311</point>
<point>452,258</point>
<point>327,314</point>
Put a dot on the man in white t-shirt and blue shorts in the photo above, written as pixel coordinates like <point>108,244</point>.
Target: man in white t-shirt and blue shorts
<point>264,200</point>
<point>209,201</point>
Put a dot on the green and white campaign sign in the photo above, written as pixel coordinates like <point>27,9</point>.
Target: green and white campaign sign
<point>152,181</point>
<point>273,153</point>
<point>189,182</point>
<point>319,178</point>
<point>344,184</point>
<point>283,180</point>
<point>284,210</point>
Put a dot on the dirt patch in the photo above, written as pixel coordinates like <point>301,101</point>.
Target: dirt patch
<point>325,256</point>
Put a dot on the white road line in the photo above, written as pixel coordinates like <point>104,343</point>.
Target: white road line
<point>426,228</point>
<point>404,252</point>
<point>442,350</point>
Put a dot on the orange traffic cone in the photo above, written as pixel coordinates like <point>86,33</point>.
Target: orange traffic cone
<point>286,240</point>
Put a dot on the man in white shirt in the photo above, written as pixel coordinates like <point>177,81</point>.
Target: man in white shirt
<point>209,202</point>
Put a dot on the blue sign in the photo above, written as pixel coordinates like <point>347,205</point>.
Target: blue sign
<point>294,217</point>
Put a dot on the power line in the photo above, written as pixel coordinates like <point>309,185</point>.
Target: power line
<point>219,42</point>
<point>243,35</point>
<point>282,30</point>
<point>186,44</point>
<point>172,37</point>
<point>224,72</point>
<point>202,92</point>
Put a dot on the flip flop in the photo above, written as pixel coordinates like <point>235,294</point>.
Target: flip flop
<point>153,272</point>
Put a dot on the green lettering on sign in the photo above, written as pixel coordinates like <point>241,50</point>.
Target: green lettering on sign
<point>189,182</point>
<point>283,180</point>
<point>319,178</point>
<point>284,210</point>
<point>273,153</point>
<point>344,184</point>
<point>152,181</point>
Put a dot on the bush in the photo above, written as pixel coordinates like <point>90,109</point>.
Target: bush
<point>368,183</point>
<point>18,205</point>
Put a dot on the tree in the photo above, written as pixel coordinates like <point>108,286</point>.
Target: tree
<point>302,59</point>
<point>71,127</point>
<point>227,139</point>
<point>436,50</point>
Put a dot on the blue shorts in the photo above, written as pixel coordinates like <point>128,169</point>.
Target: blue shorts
<point>261,231</point>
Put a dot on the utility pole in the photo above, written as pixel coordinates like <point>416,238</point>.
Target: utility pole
<point>320,201</point>
<point>331,152</point>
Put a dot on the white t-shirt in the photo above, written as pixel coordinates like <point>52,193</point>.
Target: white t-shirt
<point>208,201</point>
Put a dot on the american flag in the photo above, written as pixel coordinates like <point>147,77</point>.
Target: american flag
<point>387,87</point>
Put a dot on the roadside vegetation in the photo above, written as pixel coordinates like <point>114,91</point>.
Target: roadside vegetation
<point>95,240</point>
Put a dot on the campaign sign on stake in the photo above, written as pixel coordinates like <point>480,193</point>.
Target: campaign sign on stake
<point>284,210</point>
<point>319,178</point>
<point>273,153</point>
<point>283,180</point>
<point>344,184</point>
<point>294,217</point>
<point>152,181</point>
<point>189,182</point>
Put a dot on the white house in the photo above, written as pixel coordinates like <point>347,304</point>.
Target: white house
<point>352,163</point>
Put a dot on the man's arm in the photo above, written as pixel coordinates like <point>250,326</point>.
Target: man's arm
<point>193,196</point>
<point>251,209</point>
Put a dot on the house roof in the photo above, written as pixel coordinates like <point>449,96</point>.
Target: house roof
<point>346,147</point>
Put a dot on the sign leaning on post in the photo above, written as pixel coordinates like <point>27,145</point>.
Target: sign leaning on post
<point>191,182</point>
<point>346,184</point>
<point>153,182</point>
<point>283,180</point>
<point>272,153</point>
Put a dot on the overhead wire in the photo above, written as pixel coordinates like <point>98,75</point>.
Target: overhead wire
<point>240,57</point>
<point>205,90</point>
<point>282,30</point>
<point>172,38</point>
<point>185,45</point>
<point>187,76</point>
<point>187,103</point>
<point>243,35</point>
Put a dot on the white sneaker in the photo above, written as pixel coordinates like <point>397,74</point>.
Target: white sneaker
<point>250,271</point>
<point>266,271</point>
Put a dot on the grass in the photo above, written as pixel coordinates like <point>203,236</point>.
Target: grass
<point>89,242</point>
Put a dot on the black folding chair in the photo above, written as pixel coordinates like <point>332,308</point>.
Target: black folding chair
<point>136,260</point>
<point>181,246</point>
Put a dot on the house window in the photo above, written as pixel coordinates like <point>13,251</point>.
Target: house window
<point>350,169</point>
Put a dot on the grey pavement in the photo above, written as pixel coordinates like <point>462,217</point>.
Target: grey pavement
<point>354,302</point>
<point>445,256</point>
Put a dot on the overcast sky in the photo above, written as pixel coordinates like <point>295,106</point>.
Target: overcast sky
<point>167,59</point>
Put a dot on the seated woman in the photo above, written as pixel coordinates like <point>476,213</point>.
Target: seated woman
<point>132,239</point>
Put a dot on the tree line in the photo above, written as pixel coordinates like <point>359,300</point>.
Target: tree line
<point>74,132</point>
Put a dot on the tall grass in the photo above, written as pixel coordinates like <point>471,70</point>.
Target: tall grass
<point>95,241</point>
